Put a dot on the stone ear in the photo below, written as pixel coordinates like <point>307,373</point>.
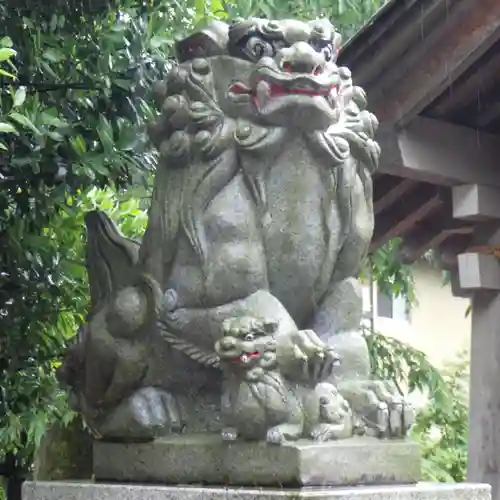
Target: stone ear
<point>208,42</point>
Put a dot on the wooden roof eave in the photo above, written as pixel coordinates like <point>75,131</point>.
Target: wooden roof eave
<point>412,50</point>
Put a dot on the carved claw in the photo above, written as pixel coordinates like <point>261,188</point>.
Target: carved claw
<point>147,414</point>
<point>284,432</point>
<point>274,436</point>
<point>330,432</point>
<point>408,416</point>
<point>229,434</point>
<point>381,408</point>
<point>316,361</point>
<point>381,421</point>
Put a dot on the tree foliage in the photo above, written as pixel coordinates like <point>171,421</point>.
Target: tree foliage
<point>442,428</point>
<point>391,276</point>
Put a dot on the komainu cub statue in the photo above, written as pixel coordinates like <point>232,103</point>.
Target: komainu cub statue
<point>258,403</point>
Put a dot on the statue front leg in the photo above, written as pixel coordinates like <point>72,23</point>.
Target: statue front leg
<point>203,327</point>
<point>378,404</point>
<point>337,322</point>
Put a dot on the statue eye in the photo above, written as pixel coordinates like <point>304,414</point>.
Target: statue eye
<point>260,48</point>
<point>249,337</point>
<point>327,53</point>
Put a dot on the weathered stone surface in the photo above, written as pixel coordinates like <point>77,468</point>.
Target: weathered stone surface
<point>206,459</point>
<point>262,207</point>
<point>82,491</point>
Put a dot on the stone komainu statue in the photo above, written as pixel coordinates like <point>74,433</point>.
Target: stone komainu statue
<point>262,207</point>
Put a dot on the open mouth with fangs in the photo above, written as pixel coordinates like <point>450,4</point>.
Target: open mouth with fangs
<point>265,91</point>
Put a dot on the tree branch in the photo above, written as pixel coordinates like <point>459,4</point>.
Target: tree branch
<point>38,87</point>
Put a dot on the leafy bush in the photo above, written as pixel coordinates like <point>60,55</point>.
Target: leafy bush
<point>442,429</point>
<point>441,426</point>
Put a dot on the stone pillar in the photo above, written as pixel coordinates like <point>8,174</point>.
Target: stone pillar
<point>479,275</point>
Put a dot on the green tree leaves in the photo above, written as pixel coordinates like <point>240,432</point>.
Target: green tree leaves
<point>6,54</point>
<point>441,427</point>
<point>19,97</point>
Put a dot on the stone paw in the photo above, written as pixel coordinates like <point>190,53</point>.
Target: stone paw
<point>308,358</point>
<point>380,406</point>
<point>155,408</point>
<point>274,436</point>
<point>284,432</point>
<point>147,414</point>
<point>229,434</point>
<point>329,432</point>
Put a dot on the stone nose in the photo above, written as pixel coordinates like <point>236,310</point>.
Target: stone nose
<point>302,58</point>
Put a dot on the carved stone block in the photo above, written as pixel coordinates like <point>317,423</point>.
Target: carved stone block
<point>205,459</point>
<point>475,202</point>
<point>478,271</point>
<point>82,491</point>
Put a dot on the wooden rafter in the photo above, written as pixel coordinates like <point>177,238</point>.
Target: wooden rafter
<point>469,30</point>
<point>406,212</point>
<point>441,153</point>
<point>448,251</point>
<point>464,92</point>
<point>388,189</point>
<point>431,235</point>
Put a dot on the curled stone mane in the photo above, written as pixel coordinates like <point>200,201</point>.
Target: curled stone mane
<point>193,136</point>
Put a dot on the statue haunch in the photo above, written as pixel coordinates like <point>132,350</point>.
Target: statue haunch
<point>262,207</point>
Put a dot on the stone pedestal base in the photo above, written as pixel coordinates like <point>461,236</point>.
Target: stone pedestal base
<point>79,491</point>
<point>205,459</point>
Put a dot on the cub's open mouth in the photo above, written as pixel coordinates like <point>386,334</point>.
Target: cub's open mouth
<point>265,91</point>
<point>245,357</point>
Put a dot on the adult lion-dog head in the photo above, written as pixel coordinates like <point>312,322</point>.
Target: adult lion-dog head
<point>238,96</point>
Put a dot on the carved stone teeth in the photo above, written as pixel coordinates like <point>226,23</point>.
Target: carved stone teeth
<point>244,358</point>
<point>170,300</point>
<point>344,73</point>
<point>263,92</point>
